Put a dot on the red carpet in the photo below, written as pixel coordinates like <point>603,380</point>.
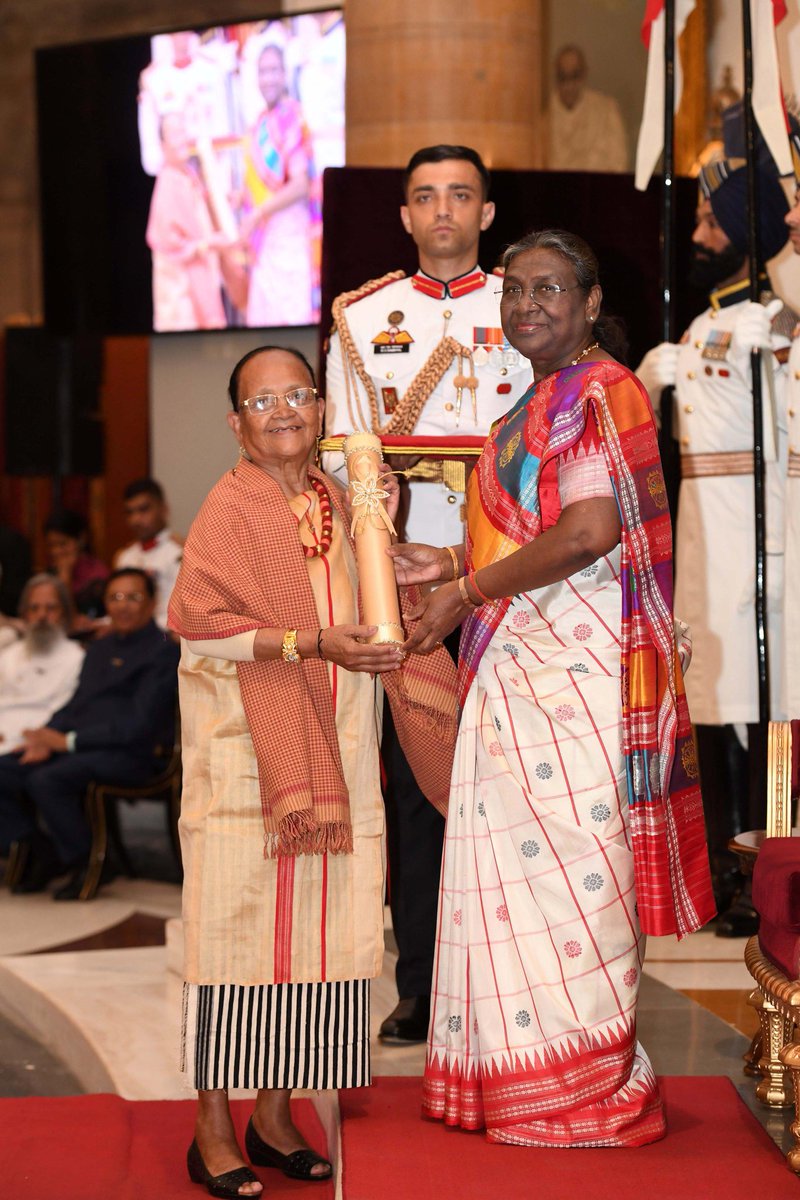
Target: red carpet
<point>93,1147</point>
<point>714,1150</point>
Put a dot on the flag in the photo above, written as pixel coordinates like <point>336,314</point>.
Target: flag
<point>768,106</point>
<point>651,132</point>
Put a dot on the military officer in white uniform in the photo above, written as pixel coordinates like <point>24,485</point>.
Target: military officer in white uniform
<point>424,356</point>
<point>715,538</point>
<point>401,346</point>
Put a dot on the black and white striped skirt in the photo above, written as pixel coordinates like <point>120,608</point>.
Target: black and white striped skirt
<point>281,1035</point>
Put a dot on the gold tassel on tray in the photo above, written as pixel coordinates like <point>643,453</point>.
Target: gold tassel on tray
<point>372,530</point>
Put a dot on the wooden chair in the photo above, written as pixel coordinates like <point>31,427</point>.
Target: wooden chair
<point>103,815</point>
<point>777,997</point>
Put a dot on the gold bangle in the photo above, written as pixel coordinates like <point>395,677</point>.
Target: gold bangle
<point>289,650</point>
<point>454,557</point>
<point>473,580</point>
<point>462,587</point>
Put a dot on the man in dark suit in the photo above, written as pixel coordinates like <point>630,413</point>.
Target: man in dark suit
<point>113,728</point>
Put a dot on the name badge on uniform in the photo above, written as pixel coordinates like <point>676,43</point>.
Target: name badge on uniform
<point>389,397</point>
<point>393,339</point>
<point>717,344</point>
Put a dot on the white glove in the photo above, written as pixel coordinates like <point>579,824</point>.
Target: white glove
<point>753,329</point>
<point>659,369</point>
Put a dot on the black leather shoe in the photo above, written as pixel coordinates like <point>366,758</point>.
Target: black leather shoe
<point>297,1165</point>
<point>71,890</point>
<point>408,1023</point>
<point>741,920</point>
<point>226,1185</point>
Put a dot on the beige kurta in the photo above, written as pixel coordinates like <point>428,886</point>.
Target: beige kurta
<point>252,920</point>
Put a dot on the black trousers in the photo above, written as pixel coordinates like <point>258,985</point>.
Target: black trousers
<point>51,795</point>
<point>415,835</point>
<point>733,782</point>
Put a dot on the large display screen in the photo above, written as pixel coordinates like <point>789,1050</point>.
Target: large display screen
<point>181,175</point>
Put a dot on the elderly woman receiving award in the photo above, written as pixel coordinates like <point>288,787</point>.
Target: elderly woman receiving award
<point>281,817</point>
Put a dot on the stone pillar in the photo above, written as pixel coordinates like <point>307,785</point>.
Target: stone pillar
<point>430,71</point>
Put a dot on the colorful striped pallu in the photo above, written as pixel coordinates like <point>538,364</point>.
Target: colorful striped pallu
<point>574,819</point>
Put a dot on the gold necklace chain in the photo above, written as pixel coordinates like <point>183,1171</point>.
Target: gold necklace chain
<point>583,353</point>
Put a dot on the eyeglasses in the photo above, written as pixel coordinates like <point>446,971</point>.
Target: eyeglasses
<point>265,401</point>
<point>121,597</point>
<point>541,293</point>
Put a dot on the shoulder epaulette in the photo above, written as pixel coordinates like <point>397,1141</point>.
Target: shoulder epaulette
<point>372,285</point>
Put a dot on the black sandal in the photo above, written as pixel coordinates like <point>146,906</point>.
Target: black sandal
<point>297,1165</point>
<point>225,1185</point>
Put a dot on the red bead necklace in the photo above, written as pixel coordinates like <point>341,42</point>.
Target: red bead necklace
<point>326,516</point>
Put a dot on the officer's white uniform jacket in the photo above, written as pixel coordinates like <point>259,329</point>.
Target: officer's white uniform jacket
<point>715,535</point>
<point>409,322</point>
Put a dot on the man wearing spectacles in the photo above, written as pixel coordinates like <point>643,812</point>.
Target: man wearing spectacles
<point>114,728</point>
<point>425,357</point>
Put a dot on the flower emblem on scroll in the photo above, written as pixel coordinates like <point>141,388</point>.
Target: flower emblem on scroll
<point>630,977</point>
<point>366,495</point>
<point>573,949</point>
<point>454,1024</point>
<point>523,1018</point>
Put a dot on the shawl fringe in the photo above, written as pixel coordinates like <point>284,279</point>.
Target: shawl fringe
<point>299,833</point>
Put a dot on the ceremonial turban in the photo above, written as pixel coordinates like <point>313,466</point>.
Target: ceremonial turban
<point>724,184</point>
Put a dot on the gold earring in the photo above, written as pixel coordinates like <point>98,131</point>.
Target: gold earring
<point>239,459</point>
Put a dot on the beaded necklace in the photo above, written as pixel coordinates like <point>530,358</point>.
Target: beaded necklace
<point>326,515</point>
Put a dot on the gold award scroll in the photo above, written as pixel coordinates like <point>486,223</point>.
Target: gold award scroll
<point>372,530</point>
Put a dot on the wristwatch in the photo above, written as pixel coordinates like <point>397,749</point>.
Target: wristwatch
<point>289,650</point>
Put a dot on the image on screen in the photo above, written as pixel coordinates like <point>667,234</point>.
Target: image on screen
<point>236,125</point>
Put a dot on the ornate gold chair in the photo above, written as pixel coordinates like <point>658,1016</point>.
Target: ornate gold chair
<point>773,955</point>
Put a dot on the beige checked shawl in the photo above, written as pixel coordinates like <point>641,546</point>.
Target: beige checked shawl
<point>243,568</point>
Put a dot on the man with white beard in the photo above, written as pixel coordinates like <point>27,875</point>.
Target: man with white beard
<point>39,671</point>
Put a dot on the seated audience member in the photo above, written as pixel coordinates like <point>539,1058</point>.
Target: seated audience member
<point>39,671</point>
<point>66,539</point>
<point>112,729</point>
<point>156,550</point>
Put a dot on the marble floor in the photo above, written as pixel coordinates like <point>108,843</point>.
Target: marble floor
<point>93,990</point>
